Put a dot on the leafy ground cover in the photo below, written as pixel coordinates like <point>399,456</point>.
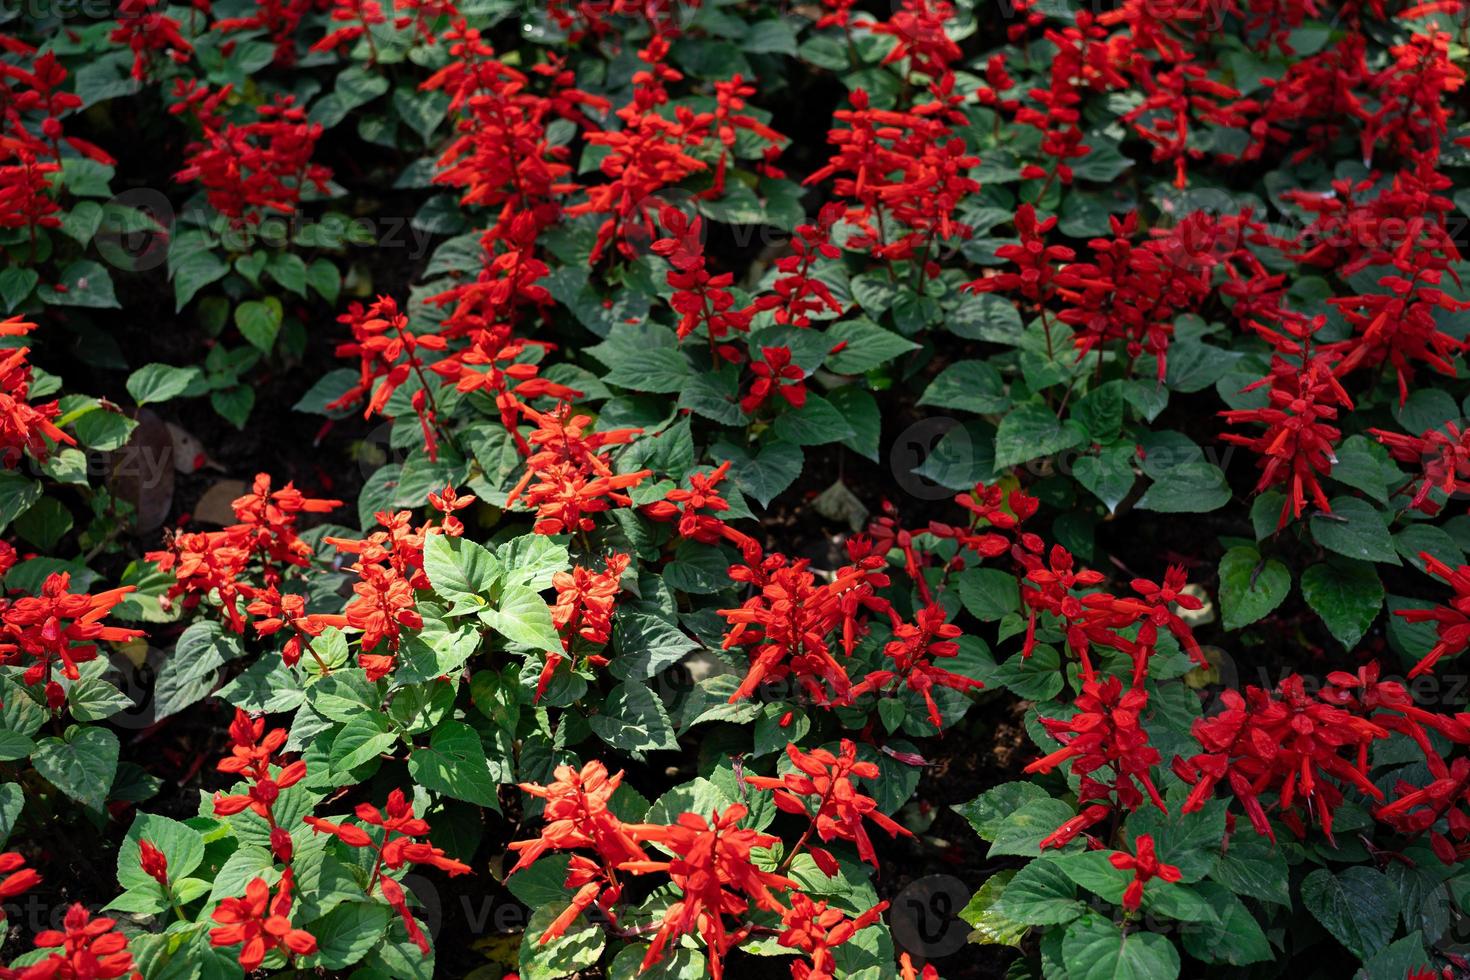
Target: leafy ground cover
<point>607,488</point>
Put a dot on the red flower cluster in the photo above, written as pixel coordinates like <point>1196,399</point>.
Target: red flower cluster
<point>1109,751</point>
<point>1145,865</point>
<point>569,475</point>
<point>700,299</point>
<point>786,624</point>
<point>583,609</point>
<point>24,427</point>
<point>261,924</point>
<point>90,949</point>
<point>840,810</point>
<point>1287,742</point>
<point>253,756</point>
<point>57,630</point>
<point>250,169</point>
<point>395,849</point>
<point>210,564</point>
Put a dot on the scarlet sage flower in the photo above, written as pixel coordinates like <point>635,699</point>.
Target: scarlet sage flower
<point>1451,622</point>
<point>1106,746</point>
<point>146,30</point>
<point>253,757</point>
<point>686,508</point>
<point>1035,260</point>
<point>1287,741</point>
<point>1298,445</point>
<point>826,781</point>
<point>716,877</point>
<point>569,475</point>
<point>583,609</point>
<point>579,817</point>
<point>787,623</point>
<point>18,878</point>
<point>24,427</point>
<point>90,950</point>
<point>1441,455</point>
<point>57,630</point>
<point>816,929</point>
<point>775,374</point>
<point>912,652</point>
<point>260,924</point>
<point>1146,866</point>
<point>700,299</point>
<point>153,862</point>
<point>396,848</point>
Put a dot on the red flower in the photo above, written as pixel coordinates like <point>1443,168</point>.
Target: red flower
<point>1297,446</point>
<point>24,427</point>
<point>1106,745</point>
<point>153,862</point>
<point>816,930</point>
<point>18,878</point>
<point>145,30</point>
<point>252,756</point>
<point>58,629</point>
<point>686,505</point>
<point>260,924</point>
<point>1442,456</point>
<point>840,808</point>
<point>788,622</point>
<point>913,650</point>
<point>569,475</point>
<point>716,877</point>
<point>1451,622</point>
<point>775,374</point>
<point>1287,741</point>
<point>90,950</point>
<point>579,816</point>
<point>1145,865</point>
<point>395,848</point>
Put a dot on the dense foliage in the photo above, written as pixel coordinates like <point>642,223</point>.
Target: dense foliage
<point>724,487</point>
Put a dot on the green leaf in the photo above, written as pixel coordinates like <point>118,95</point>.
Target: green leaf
<point>182,846</point>
<point>1254,867</point>
<point>362,739</point>
<point>1095,948</point>
<point>1189,488</point>
<point>989,593</point>
<point>88,284</point>
<point>772,469</point>
<point>633,720</point>
<point>1230,935</point>
<point>815,423</point>
<point>970,386</point>
<point>155,382</point>
<point>1041,894</point>
<point>1359,907</point>
<point>643,357</point>
<point>1109,475</point>
<point>17,494</point>
<point>82,763</point>
<point>860,409</point>
<point>198,268</point>
<point>523,617</point>
<point>575,950</point>
<point>454,764</point>
<point>1249,587</point>
<point>1031,430</point>
<point>12,802</point>
<point>259,321</point>
<point>1022,831</point>
<point>348,933</point>
<point>868,346</point>
<point>1347,595</point>
<point>460,571</point>
<point>44,523</point>
<point>1356,529</point>
<point>986,317</point>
